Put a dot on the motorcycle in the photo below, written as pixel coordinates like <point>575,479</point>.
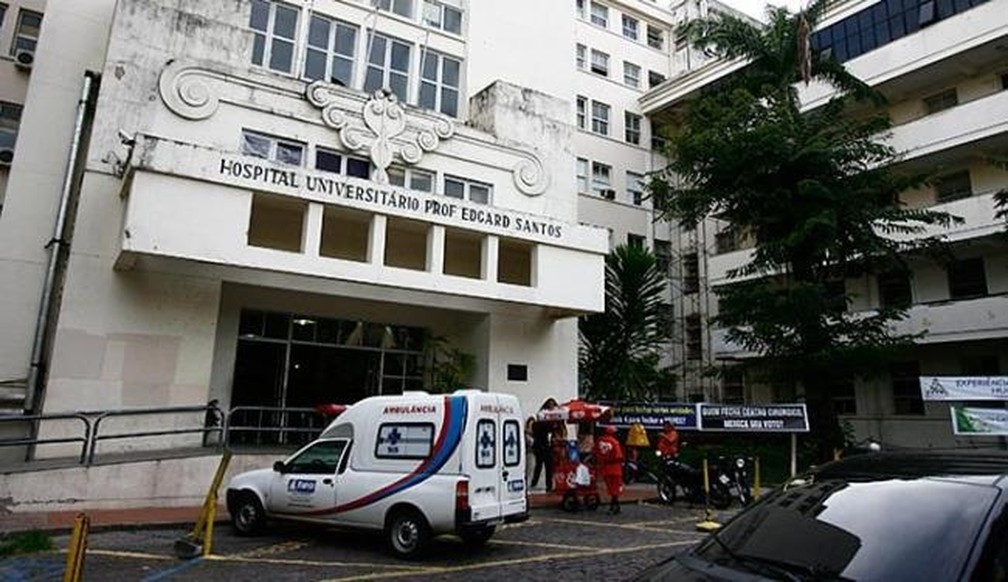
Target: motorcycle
<point>727,482</point>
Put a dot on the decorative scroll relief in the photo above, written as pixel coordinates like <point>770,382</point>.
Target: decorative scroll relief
<point>185,90</point>
<point>384,120</point>
<point>529,175</point>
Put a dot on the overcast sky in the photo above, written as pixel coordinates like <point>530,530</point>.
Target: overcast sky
<point>756,8</point>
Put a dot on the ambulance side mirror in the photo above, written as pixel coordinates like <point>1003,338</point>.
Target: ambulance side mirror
<point>279,467</point>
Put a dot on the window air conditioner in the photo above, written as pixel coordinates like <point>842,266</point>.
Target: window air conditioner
<point>24,58</point>
<point>609,194</point>
<point>6,156</point>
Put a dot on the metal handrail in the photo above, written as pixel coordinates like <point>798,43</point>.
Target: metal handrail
<point>83,440</point>
<point>204,430</point>
<point>280,427</point>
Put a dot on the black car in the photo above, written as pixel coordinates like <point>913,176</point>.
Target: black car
<point>922,515</point>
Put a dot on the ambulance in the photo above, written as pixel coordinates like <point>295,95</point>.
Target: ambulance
<point>412,466</point>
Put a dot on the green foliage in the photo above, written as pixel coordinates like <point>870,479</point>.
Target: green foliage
<point>25,543</point>
<point>816,192</point>
<point>448,368</point>
<point>620,347</point>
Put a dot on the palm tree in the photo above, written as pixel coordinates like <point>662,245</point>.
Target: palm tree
<point>816,191</point>
<point>620,347</point>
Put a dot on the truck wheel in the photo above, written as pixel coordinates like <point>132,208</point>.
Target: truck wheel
<point>477,535</point>
<point>247,515</point>
<point>407,533</point>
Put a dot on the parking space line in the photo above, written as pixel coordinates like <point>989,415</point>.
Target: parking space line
<point>633,526</point>
<point>133,555</point>
<point>274,549</point>
<point>173,570</point>
<point>517,561</point>
<point>321,563</point>
<point>542,545</point>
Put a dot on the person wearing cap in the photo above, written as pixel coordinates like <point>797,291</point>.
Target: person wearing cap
<point>609,464</point>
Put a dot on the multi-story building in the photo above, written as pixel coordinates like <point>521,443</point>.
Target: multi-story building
<point>943,67</point>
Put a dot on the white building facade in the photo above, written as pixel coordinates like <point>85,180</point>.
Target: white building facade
<point>284,204</point>
<point>943,68</point>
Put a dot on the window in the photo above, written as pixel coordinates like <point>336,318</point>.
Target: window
<point>599,63</point>
<point>602,179</point>
<point>635,187</point>
<point>600,118</point>
<point>512,443</point>
<point>986,365</point>
<point>411,178</point>
<point>274,26</point>
<point>635,240</point>
<point>727,240</point>
<point>330,161</point>
<point>663,255</point>
<point>941,101</point>
<point>582,175</point>
<point>691,273</point>
<point>582,112</point>
<point>599,14</point>
<point>581,58</point>
<point>470,190</point>
<point>894,289</point>
<point>442,16</point>
<point>632,127</point>
<point>666,321</point>
<point>486,443</point>
<point>517,373</point>
<point>1004,78</point>
<point>3,12</point>
<point>439,83</point>
<point>579,8</point>
<point>330,54</point>
<point>905,380</point>
<point>631,75</point>
<point>658,143</point>
<point>733,385</point>
<point>954,186</point>
<point>322,458</point>
<point>400,7</point>
<point>404,440</point>
<point>10,120</point>
<point>27,32</point>
<point>272,148</point>
<point>655,37</point>
<point>843,395</point>
<point>654,79</point>
<point>388,65</point>
<point>694,337</point>
<point>630,26</point>
<point>967,279</point>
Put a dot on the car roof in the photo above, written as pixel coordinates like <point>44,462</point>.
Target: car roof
<point>920,463</point>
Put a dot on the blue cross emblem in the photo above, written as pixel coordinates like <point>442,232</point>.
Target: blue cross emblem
<point>486,440</point>
<point>393,437</point>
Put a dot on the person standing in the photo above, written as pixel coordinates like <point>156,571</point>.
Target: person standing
<point>609,463</point>
<point>668,442</point>
<point>542,432</point>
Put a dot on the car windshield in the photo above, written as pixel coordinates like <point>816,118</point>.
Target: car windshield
<point>895,529</point>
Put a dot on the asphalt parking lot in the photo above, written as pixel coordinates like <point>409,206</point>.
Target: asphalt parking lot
<point>552,545</point>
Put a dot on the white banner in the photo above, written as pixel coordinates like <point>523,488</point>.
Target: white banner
<point>964,387</point>
<point>969,421</point>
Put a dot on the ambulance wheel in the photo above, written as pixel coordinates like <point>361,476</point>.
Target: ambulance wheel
<point>592,501</point>
<point>477,535</point>
<point>569,502</point>
<point>407,533</point>
<point>247,515</point>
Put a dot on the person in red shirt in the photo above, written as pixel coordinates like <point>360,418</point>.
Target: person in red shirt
<point>668,442</point>
<point>609,462</point>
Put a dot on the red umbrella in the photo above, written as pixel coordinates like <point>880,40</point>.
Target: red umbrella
<point>576,411</point>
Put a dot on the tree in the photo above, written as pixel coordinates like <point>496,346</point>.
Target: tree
<point>621,347</point>
<point>816,192</point>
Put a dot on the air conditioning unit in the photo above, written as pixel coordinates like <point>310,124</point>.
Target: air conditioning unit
<point>24,58</point>
<point>6,156</point>
<point>609,194</point>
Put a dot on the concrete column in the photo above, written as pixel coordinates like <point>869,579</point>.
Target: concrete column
<point>311,232</point>
<point>435,249</point>
<point>488,268</point>
<point>376,240</point>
